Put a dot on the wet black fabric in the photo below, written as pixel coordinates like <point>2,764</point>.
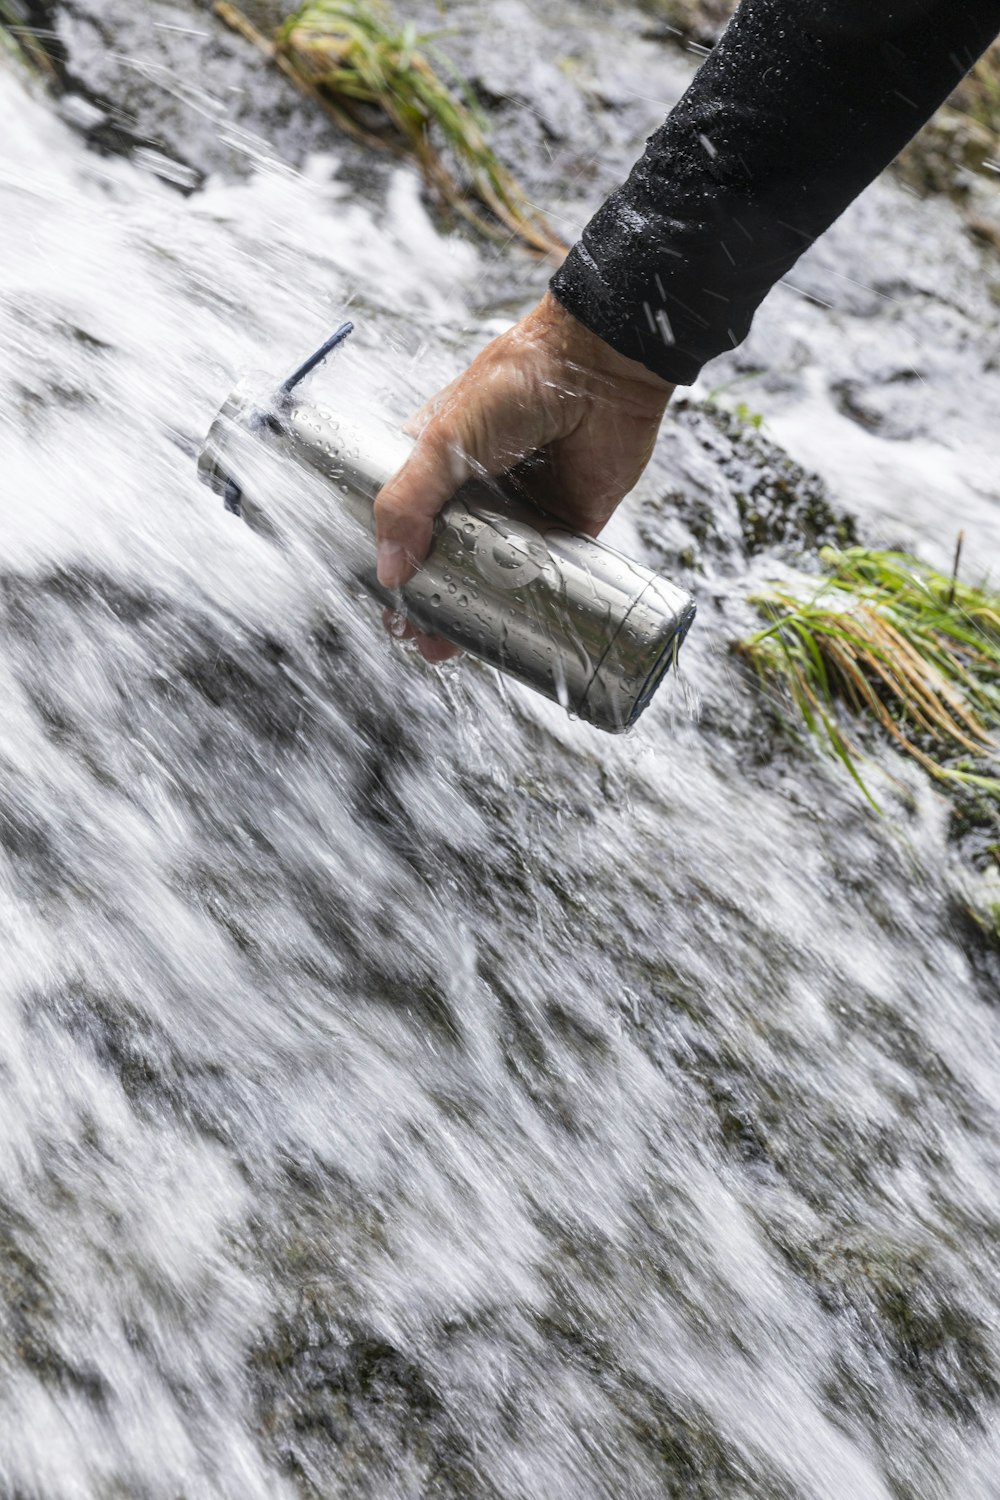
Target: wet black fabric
<point>799,106</point>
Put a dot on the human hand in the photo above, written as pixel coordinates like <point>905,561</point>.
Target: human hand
<point>548,390</point>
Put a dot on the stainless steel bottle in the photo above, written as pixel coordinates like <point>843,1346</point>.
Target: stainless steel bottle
<point>555,609</point>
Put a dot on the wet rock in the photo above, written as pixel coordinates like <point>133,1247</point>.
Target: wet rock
<point>974,822</point>
<point>695,1460</point>
<point>347,1413</point>
<point>29,1334</point>
<point>185,96</point>
<point>168,84</point>
<point>157,1077</point>
<point>742,495</point>
<point>528,1057</point>
<point>977,927</point>
<point>29,841</point>
<point>881,402</point>
<point>245,684</point>
<point>985,231</point>
<point>252,683</point>
<point>698,21</point>
<point>905,1312</point>
<point>247,709</point>
<point>780,504</point>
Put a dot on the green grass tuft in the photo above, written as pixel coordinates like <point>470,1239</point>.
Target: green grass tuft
<point>386,85</point>
<point>893,641</point>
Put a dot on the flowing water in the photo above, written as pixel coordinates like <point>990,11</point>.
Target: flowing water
<point>407,1091</point>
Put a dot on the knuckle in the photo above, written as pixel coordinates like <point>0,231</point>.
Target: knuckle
<point>389,507</point>
<point>436,439</point>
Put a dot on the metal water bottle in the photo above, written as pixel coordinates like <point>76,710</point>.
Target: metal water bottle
<point>554,608</point>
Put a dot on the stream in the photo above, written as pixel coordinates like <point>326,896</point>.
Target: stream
<point>408,1092</point>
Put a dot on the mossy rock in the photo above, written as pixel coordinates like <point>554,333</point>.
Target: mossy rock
<point>974,825</point>
<point>779,504</point>
<point>904,1310</point>
<point>347,1413</point>
<point>694,1460</point>
<point>29,1327</point>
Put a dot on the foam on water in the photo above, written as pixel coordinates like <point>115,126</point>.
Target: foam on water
<point>408,1090</point>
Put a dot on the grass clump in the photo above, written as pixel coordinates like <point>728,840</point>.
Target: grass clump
<point>895,642</point>
<point>387,85</point>
<point>18,42</point>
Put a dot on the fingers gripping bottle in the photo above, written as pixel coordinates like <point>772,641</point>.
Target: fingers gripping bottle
<point>553,608</point>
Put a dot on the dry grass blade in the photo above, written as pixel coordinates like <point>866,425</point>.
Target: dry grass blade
<point>378,83</point>
<point>893,640</point>
<point>352,54</point>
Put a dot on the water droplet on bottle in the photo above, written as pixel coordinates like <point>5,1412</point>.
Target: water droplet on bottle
<point>435,599</point>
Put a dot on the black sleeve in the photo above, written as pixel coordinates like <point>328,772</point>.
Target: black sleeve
<point>799,106</point>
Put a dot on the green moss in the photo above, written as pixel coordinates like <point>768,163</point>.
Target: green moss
<point>975,826</point>
<point>778,502</point>
<point>987,920</point>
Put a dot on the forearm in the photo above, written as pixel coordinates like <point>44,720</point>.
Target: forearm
<point>800,105</point>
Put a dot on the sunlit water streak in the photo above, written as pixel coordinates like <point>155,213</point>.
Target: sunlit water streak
<point>408,1091</point>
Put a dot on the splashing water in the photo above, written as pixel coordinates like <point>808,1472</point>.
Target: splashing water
<point>408,1091</point>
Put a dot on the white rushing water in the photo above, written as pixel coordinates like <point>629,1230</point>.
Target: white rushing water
<point>407,1091</point>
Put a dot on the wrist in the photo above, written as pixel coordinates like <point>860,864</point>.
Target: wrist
<point>578,346</point>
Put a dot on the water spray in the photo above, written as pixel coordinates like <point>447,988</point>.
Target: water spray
<point>507,582</point>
